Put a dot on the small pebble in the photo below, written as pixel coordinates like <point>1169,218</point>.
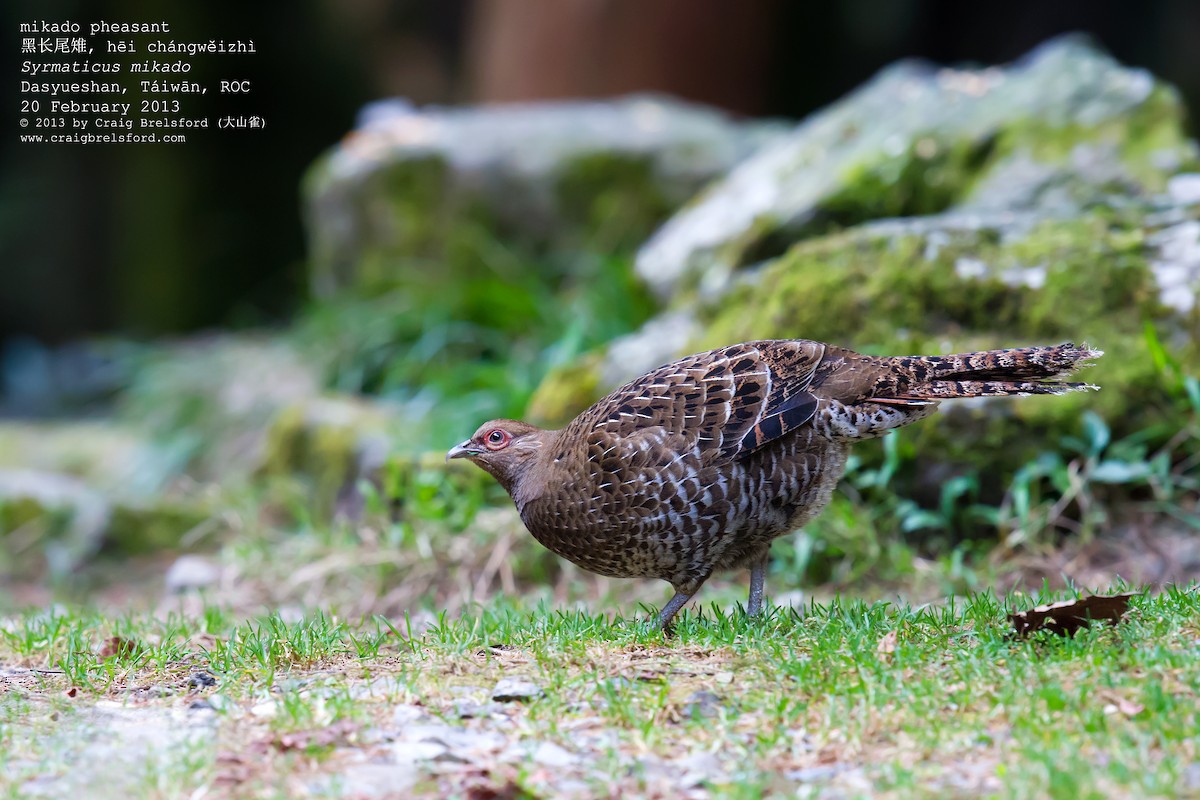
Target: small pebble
<point>702,704</point>
<point>267,709</point>
<point>200,680</point>
<point>191,573</point>
<point>509,689</point>
<point>408,752</point>
<point>406,715</point>
<point>814,774</point>
<point>369,780</point>
<point>548,754</point>
<point>699,768</point>
<point>469,709</point>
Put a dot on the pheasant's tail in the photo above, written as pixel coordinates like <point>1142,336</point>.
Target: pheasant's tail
<point>993,373</point>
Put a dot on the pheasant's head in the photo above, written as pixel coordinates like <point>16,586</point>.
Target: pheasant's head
<point>505,448</point>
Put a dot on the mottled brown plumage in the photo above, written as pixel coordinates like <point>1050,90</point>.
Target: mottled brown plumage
<point>700,464</point>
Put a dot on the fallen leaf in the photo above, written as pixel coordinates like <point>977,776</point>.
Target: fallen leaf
<point>316,738</point>
<point>1123,705</point>
<point>232,768</point>
<point>118,647</point>
<point>506,791</point>
<point>887,644</point>
<point>1069,616</point>
<point>1130,708</point>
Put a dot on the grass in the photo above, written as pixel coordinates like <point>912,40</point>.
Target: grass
<point>844,697</point>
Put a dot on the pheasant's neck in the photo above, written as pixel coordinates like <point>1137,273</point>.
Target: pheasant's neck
<point>528,477</point>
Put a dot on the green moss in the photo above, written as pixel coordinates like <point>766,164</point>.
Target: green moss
<point>333,462</point>
<point>932,175</point>
<point>419,227</point>
<point>615,200</point>
<point>18,511</point>
<point>942,168</point>
<point>416,208</point>
<point>759,240</point>
<point>152,527</point>
<point>128,529</point>
<point>30,529</point>
<point>322,443</point>
<point>286,441</point>
<point>1139,138</point>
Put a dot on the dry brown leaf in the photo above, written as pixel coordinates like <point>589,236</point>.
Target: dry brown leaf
<point>1123,706</point>
<point>118,646</point>
<point>887,644</point>
<point>1069,616</point>
<point>1130,708</point>
<point>232,768</point>
<point>509,790</point>
<point>316,738</point>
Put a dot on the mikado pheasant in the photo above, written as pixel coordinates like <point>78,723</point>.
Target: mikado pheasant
<point>698,465</point>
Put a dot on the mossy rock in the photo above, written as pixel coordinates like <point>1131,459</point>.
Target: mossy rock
<point>48,521</point>
<point>108,455</point>
<point>1062,129</point>
<point>389,204</point>
<point>611,201</point>
<point>54,523</point>
<point>330,442</point>
<point>154,527</point>
<point>205,402</point>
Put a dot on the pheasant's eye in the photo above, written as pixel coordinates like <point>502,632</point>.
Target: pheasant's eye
<point>496,439</point>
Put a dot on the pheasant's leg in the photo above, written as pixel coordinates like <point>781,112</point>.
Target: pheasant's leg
<point>758,584</point>
<point>685,589</point>
<point>671,609</point>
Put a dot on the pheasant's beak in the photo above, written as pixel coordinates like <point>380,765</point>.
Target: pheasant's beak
<point>464,450</point>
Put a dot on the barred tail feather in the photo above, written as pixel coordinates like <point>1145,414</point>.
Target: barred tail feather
<point>995,373</point>
<point>944,390</point>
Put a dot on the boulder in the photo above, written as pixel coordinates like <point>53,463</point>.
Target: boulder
<point>106,455</point>
<point>331,442</point>
<point>70,488</point>
<point>1064,128</point>
<point>416,196</point>
<point>51,518</point>
<point>54,522</point>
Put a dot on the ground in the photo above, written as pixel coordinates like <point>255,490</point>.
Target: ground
<point>525,697</point>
